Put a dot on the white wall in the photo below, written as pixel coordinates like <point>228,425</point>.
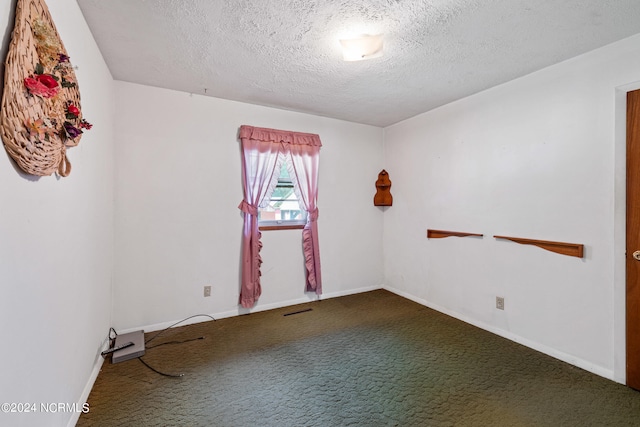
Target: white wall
<point>178,228</point>
<point>539,158</point>
<point>56,248</point>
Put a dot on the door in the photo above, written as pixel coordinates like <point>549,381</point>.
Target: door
<point>633,240</point>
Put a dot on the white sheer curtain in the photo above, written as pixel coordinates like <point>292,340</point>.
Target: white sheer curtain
<point>305,160</point>
<point>260,159</point>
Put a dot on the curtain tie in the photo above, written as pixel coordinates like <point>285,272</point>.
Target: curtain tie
<point>313,215</point>
<point>247,208</point>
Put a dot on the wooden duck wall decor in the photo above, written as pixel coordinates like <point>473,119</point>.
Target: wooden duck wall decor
<point>383,195</point>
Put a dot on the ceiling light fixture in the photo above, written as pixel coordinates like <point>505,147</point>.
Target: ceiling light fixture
<point>363,47</point>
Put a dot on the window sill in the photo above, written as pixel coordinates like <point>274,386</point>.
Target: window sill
<point>281,227</point>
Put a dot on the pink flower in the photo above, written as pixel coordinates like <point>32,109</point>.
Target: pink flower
<point>36,87</point>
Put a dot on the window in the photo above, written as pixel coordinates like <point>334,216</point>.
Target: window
<point>283,210</point>
<point>261,151</point>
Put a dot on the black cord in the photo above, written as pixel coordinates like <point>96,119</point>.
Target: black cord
<point>112,338</point>
<point>158,372</point>
<point>115,334</point>
<point>177,323</point>
<point>175,342</point>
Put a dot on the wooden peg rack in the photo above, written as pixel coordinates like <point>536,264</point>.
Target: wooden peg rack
<point>440,234</point>
<point>570,249</point>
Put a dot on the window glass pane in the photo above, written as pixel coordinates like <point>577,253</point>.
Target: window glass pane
<point>284,172</point>
<point>284,205</point>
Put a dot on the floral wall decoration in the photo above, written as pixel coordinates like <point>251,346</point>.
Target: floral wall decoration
<point>41,114</point>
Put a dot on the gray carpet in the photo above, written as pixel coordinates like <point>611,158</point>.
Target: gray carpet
<point>372,359</point>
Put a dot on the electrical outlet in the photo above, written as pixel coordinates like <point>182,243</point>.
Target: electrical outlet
<point>500,303</point>
<point>207,291</point>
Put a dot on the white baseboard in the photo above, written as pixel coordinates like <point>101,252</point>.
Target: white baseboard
<point>97,366</point>
<point>572,360</point>
<point>309,297</point>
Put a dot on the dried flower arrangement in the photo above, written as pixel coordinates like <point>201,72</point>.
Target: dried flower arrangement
<point>41,114</point>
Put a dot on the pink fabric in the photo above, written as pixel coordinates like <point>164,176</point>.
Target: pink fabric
<point>259,167</point>
<point>275,136</point>
<point>262,150</point>
<point>305,161</point>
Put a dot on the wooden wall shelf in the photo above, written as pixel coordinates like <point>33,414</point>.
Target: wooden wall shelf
<point>570,249</point>
<point>439,234</point>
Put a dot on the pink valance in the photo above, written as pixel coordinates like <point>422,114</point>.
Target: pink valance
<point>277,136</point>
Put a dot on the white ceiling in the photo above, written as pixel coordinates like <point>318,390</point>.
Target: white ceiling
<point>286,53</point>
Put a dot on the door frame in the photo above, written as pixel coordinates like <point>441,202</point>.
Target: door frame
<point>620,236</point>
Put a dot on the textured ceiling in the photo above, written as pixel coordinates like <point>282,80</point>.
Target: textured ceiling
<point>286,53</point>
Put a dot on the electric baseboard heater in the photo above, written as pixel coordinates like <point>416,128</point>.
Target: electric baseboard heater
<point>131,352</point>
